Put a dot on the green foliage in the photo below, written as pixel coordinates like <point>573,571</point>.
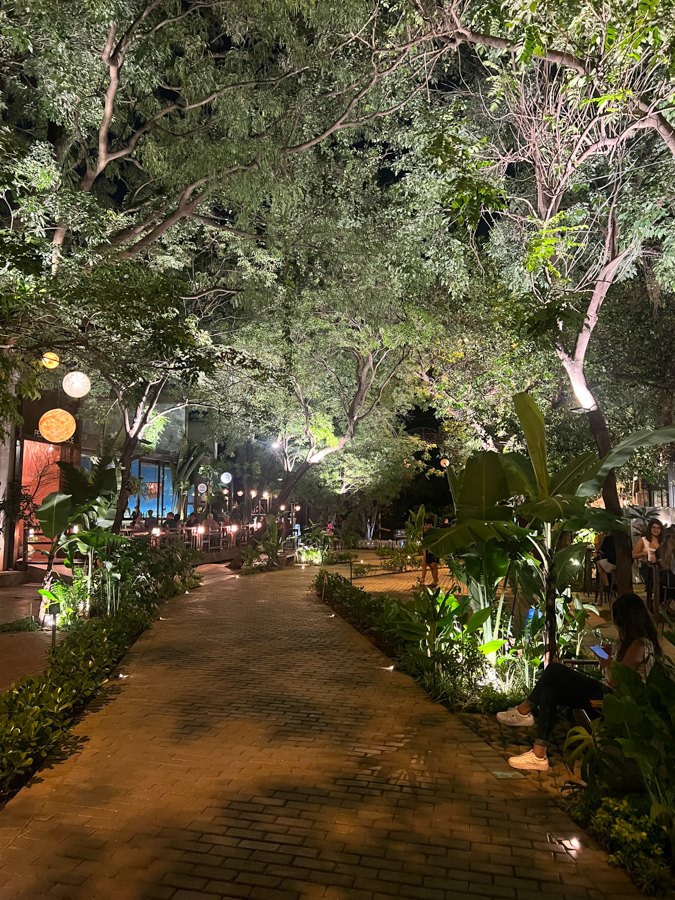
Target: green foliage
<point>635,841</point>
<point>336,557</point>
<point>635,738</point>
<point>30,623</point>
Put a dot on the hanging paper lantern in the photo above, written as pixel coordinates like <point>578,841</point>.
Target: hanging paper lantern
<point>226,478</point>
<point>57,425</point>
<point>76,384</point>
<point>50,360</point>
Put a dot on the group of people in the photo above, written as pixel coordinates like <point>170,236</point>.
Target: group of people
<point>656,546</point>
<point>173,522</point>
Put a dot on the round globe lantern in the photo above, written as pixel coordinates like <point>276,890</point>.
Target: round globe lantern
<point>76,384</point>
<point>50,360</point>
<point>57,426</point>
<point>226,478</point>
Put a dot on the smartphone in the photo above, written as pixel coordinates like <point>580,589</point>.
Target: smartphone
<point>603,654</point>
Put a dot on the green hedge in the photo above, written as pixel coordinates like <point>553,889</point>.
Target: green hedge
<point>37,712</point>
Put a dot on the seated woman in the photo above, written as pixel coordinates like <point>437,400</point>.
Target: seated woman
<point>559,685</point>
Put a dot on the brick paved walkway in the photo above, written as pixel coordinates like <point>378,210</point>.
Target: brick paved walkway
<point>23,654</point>
<point>260,748</point>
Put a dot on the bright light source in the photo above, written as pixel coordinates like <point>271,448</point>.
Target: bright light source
<point>76,384</point>
<point>156,532</point>
<point>298,508</point>
<point>56,426</point>
<point>50,360</point>
<point>234,528</point>
<point>254,493</point>
<point>276,445</point>
<point>282,508</point>
<point>225,478</point>
<point>265,495</point>
<point>445,463</point>
<point>76,528</point>
<point>200,529</point>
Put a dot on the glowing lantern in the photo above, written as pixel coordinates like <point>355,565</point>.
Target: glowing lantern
<point>226,478</point>
<point>57,425</point>
<point>50,360</point>
<point>445,463</point>
<point>76,384</point>
<point>298,508</point>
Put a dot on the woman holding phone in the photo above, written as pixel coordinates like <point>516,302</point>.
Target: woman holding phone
<point>636,647</point>
<point>645,551</point>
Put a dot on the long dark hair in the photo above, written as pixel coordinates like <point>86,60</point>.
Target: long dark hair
<point>633,620</point>
<point>650,524</point>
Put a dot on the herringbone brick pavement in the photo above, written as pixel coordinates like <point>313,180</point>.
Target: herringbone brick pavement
<point>260,748</point>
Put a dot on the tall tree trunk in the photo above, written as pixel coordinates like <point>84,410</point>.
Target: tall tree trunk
<point>624,560</point>
<point>125,488</point>
<point>289,486</point>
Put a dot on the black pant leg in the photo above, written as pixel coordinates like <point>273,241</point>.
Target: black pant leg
<point>562,686</point>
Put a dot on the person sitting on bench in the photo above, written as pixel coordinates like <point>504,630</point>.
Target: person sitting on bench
<point>636,647</point>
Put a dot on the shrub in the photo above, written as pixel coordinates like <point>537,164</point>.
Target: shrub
<point>635,841</point>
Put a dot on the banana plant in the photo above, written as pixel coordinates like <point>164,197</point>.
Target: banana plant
<point>512,500</point>
<point>85,503</point>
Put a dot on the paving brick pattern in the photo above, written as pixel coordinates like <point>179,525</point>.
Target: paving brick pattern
<point>260,748</point>
<point>23,653</point>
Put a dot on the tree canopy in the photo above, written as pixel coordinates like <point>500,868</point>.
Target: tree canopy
<point>304,221</point>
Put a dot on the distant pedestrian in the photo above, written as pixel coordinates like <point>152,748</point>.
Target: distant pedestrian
<point>151,521</point>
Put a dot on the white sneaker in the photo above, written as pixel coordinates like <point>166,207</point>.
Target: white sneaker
<point>529,761</point>
<point>513,717</point>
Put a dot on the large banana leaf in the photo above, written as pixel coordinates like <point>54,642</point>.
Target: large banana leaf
<point>484,485</point>
<point>622,453</point>
<point>534,428</point>
<point>85,486</point>
<point>553,508</point>
<point>55,514</point>
<point>597,519</point>
<point>519,475</point>
<point>463,536</point>
<point>455,482</point>
<point>567,564</point>
<point>580,468</point>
